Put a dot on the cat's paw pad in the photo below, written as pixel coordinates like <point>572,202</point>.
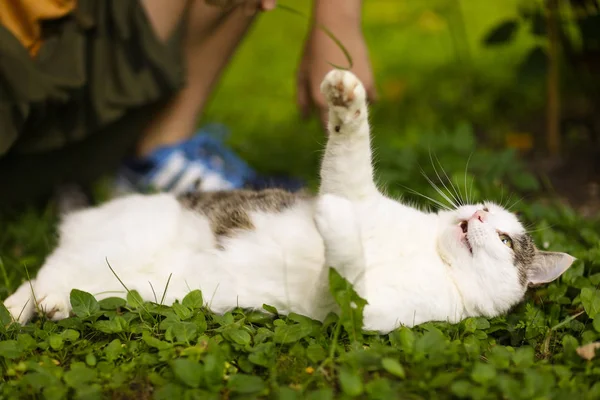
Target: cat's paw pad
<point>54,306</point>
<point>344,90</point>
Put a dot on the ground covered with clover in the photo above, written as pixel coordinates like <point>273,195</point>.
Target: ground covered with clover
<point>123,348</point>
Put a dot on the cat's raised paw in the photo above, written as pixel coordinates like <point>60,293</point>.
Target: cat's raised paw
<point>345,95</point>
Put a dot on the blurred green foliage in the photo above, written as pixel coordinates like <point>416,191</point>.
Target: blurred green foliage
<point>440,85</point>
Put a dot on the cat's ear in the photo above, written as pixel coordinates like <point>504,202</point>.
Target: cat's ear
<point>548,266</point>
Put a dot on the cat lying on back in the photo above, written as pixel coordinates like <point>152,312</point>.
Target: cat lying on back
<point>247,249</point>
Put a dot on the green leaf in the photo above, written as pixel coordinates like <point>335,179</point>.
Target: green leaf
<point>193,300</point>
<point>184,331</point>
<point>596,323</point>
<point>170,391</point>
<point>291,333</point>
<point>350,382</point>
<point>168,322</point>
<point>393,367</point>
<point>154,342</point>
<point>113,350</point>
<point>56,342</point>
<point>524,357</point>
<point>473,324</point>
<point>472,347</point>
<point>83,303</point>
<point>200,321</point>
<point>320,394</point>
<point>258,317</point>
<point>461,389</point>
<point>431,344</point>
<point>403,339</point>
<point>182,311</point>
<point>245,384</point>
<point>270,309</point>
<point>315,353</point>
<point>380,388</point>
<point>5,317</point>
<point>55,392</point>
<point>187,372</point>
<point>112,303</point>
<point>214,365</point>
<point>134,300</point>
<point>10,349</point>
<point>500,357</point>
<point>237,335</point>
<point>501,33</point>
<point>590,298</point>
<point>79,375</point>
<point>263,354</point>
<point>483,373</point>
<point>115,325</point>
<point>350,303</point>
<point>26,342</point>
<point>570,344</point>
<point>104,326</point>
<point>70,335</point>
<point>40,380</point>
<point>90,359</point>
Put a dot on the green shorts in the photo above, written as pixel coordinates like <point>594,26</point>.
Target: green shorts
<point>71,113</point>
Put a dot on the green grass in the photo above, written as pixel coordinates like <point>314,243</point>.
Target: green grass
<point>124,349</point>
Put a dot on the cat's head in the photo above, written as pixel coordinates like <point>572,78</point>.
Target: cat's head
<point>492,258</point>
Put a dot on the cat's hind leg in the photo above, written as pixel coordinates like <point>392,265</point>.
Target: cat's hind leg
<point>54,304</point>
<point>31,297</point>
<point>21,304</point>
<point>346,169</point>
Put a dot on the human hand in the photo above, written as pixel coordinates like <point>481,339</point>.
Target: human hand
<point>320,50</point>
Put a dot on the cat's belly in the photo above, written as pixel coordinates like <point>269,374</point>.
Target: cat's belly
<point>281,262</point>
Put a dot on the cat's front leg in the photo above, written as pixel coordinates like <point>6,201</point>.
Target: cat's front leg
<point>346,168</point>
<point>336,222</point>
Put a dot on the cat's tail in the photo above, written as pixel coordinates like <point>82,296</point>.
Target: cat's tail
<point>21,304</point>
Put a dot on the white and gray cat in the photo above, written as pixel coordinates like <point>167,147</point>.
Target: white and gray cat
<point>246,249</point>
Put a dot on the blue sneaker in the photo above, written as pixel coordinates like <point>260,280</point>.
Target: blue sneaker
<point>202,162</point>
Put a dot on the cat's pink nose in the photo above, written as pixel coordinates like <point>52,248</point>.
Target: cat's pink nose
<point>480,215</point>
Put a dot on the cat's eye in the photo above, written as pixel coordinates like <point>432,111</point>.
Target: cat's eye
<point>486,209</point>
<point>506,240</point>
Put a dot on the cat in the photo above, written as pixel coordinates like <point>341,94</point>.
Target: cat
<point>246,249</point>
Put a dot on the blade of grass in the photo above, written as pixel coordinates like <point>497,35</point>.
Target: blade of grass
<point>327,32</point>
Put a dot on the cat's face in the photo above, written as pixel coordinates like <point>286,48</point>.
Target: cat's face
<point>490,250</point>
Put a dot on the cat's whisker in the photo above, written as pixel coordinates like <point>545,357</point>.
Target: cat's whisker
<point>505,202</point>
<point>529,231</point>
<point>515,203</point>
<point>458,197</point>
<point>456,201</point>
<point>440,191</point>
<point>438,203</point>
<point>466,187</point>
<point>471,190</point>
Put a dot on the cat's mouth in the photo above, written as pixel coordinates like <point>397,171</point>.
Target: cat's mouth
<point>464,226</point>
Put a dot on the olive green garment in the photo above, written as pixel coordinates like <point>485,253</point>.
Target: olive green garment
<point>72,112</point>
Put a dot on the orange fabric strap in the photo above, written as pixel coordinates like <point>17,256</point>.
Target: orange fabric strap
<point>23,18</point>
